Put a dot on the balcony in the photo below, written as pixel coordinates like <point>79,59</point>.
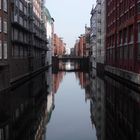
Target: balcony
<point>99,2</point>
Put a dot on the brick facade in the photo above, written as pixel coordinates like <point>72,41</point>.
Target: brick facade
<point>123,34</point>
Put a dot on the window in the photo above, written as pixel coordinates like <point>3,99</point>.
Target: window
<point>125,35</point>
<point>21,51</point>
<point>25,10</point>
<point>118,53</point>
<point>16,13</point>
<point>0,24</point>
<point>0,4</point>
<point>6,132</point>
<point>21,6</point>
<point>17,2</point>
<point>5,50</point>
<point>121,38</point>
<point>138,50</point>
<point>138,40</point>
<point>126,52</point>
<point>139,32</point>
<point>121,52</point>
<point>131,52</point>
<point>0,49</point>
<point>13,49</point>
<point>5,5</point>
<point>131,34</point>
<point>1,134</point>
<point>138,7</point>
<point>21,20</point>
<point>17,113</point>
<point>5,26</point>
<point>15,34</point>
<point>16,51</point>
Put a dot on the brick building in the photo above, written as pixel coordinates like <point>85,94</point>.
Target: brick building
<point>79,46</point>
<point>122,38</point>
<point>22,39</point>
<point>59,46</point>
<point>82,45</point>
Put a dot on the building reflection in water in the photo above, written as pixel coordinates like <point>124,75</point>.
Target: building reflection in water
<point>114,108</point>
<point>26,110</point>
<point>23,110</point>
<point>57,79</point>
<point>122,111</point>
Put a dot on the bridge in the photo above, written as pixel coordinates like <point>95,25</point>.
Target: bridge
<point>68,57</point>
<point>79,63</point>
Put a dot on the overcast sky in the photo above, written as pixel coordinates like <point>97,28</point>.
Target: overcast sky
<point>70,17</point>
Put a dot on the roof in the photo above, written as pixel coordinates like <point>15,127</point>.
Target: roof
<point>47,13</point>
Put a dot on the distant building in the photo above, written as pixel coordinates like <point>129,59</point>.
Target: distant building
<point>59,46</point>
<point>67,51</point>
<point>72,52</point>
<point>87,41</point>
<point>80,46</point>
<point>76,47</point>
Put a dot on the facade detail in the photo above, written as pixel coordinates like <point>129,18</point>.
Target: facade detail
<point>24,34</point>
<point>122,39</point>
<point>79,46</point>
<point>82,45</point>
<point>28,38</point>
<point>97,37</point>
<point>49,25</point>
<point>93,36</point>
<point>59,46</point>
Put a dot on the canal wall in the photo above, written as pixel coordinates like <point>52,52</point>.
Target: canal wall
<point>124,75</point>
<point>127,77</point>
<point>6,83</point>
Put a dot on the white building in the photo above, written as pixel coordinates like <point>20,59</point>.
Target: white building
<point>101,23</point>
<point>49,31</point>
<point>67,51</point>
<point>98,23</point>
<point>93,36</point>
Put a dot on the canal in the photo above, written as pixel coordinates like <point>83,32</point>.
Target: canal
<point>71,118</point>
<point>60,105</point>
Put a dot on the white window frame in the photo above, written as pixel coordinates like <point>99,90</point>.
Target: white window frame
<point>0,3</point>
<point>5,26</point>
<point>5,50</point>
<point>5,5</point>
<point>0,24</point>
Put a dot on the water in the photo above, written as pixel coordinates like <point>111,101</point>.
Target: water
<point>70,105</point>
<point>93,108</point>
<point>71,116</point>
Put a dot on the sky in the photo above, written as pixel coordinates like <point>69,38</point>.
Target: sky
<point>70,17</point>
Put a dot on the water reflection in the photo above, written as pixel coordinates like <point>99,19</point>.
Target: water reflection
<point>122,111</point>
<point>22,110</point>
<point>63,105</point>
<point>114,108</point>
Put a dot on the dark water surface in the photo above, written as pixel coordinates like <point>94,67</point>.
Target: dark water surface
<point>62,105</point>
